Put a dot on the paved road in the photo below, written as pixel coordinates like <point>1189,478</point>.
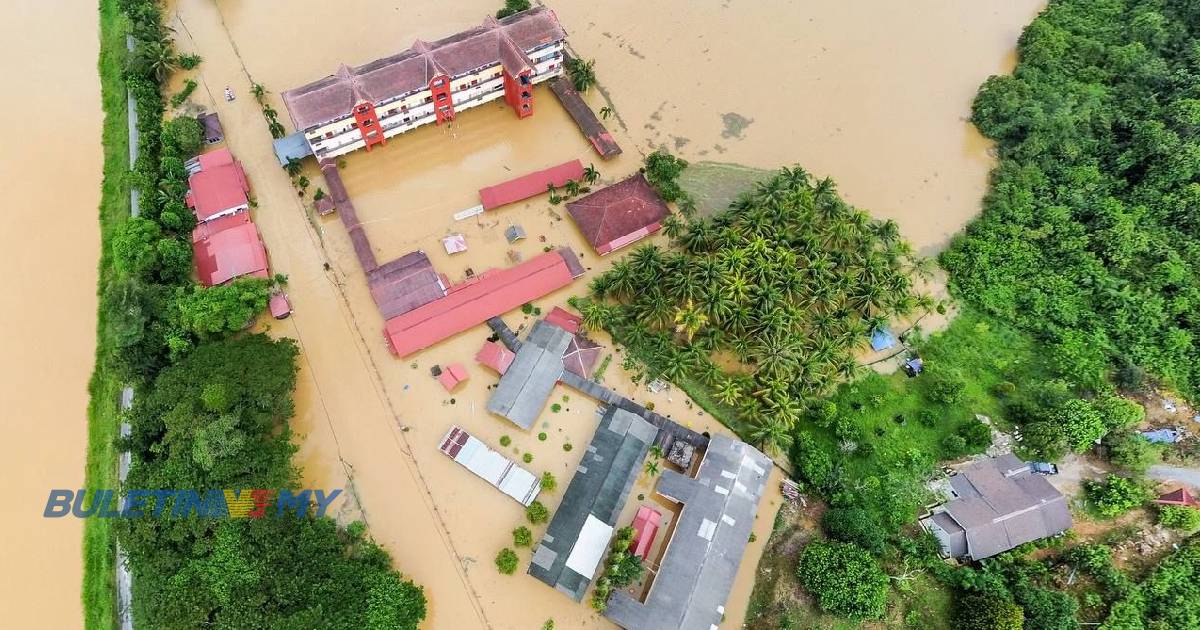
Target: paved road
<point>1190,476</point>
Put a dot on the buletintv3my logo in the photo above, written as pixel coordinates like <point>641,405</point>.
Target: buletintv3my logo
<point>228,503</point>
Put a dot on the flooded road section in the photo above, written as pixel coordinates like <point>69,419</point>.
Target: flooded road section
<point>873,95</point>
<point>50,243</point>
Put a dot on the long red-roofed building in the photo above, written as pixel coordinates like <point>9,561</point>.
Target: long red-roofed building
<point>527,186</point>
<point>614,217</point>
<point>471,303</point>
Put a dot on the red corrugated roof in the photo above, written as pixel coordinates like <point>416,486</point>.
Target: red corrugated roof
<point>564,320</point>
<point>495,356</point>
<point>645,527</point>
<point>529,185</point>
<point>218,186</point>
<point>1178,497</point>
<point>472,303</point>
<point>614,217</point>
<point>233,252</point>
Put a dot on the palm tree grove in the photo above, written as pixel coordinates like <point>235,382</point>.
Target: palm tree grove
<point>762,305</point>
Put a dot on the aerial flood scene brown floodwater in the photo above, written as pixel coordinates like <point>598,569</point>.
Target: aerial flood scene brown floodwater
<point>874,94</point>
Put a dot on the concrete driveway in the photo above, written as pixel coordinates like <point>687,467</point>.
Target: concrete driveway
<point>1162,472</point>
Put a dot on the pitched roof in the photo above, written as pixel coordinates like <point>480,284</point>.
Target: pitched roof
<point>528,382</point>
<point>564,319</point>
<point>219,186</point>
<point>581,356</point>
<point>234,251</point>
<point>495,356</point>
<point>618,215</point>
<point>528,185</point>
<point>404,284</point>
<point>702,557</point>
<point>489,465</point>
<point>452,375</point>
<point>1001,504</point>
<point>592,502</point>
<point>471,303</point>
<point>1178,496</point>
<point>496,41</point>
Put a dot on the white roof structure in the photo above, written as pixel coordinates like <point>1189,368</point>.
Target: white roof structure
<point>589,549</point>
<point>491,466</point>
<point>455,243</point>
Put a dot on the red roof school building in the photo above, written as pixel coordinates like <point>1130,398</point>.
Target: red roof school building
<point>218,188</point>
<point>431,82</point>
<point>614,217</point>
<point>471,303</point>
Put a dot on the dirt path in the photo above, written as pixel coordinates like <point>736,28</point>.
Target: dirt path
<point>338,385</point>
<point>1189,476</point>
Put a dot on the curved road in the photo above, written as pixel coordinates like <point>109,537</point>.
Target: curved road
<point>1189,476</point>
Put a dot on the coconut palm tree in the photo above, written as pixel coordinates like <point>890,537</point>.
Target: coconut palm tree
<point>605,112</point>
<point>689,320</point>
<point>157,58</point>
<point>673,363</point>
<point>572,187</point>
<point>651,467</point>
<point>590,174</point>
<point>647,262</point>
<point>728,391</point>
<point>653,308</point>
<point>771,436</point>
<point>673,227</point>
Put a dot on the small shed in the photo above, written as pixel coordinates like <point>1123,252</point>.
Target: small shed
<point>452,375</point>
<point>281,308</point>
<point>514,233</point>
<point>495,356</point>
<point>455,243</point>
<point>324,205</point>
<point>882,339</point>
<point>211,124</point>
<point>645,528</point>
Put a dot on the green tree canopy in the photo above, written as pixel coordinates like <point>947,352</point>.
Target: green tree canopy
<point>844,578</point>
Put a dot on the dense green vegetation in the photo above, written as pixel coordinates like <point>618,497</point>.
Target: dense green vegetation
<point>512,7</point>
<point>621,568</point>
<point>1090,235</point>
<point>98,591</point>
<point>763,305</point>
<point>846,580</point>
<point>212,404</point>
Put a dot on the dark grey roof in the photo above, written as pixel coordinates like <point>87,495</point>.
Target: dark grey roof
<point>599,488</point>
<point>1000,504</point>
<point>526,386</point>
<point>702,558</point>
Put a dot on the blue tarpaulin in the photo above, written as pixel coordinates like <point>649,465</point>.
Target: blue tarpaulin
<point>882,339</point>
<point>1162,436</point>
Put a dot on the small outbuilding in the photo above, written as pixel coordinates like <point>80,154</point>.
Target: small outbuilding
<point>211,125</point>
<point>452,375</point>
<point>495,356</point>
<point>514,233</point>
<point>454,243</point>
<point>645,528</point>
<point>280,306</point>
<point>614,217</point>
<point>1179,496</point>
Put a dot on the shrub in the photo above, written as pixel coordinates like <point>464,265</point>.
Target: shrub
<point>537,513</point>
<point>1120,413</point>
<point>844,578</point>
<point>186,133</point>
<point>986,612</point>
<point>189,86</point>
<point>1004,389</point>
<point>522,537</point>
<point>505,440</point>
<point>1115,495</point>
<point>548,483</point>
<point>527,458</point>
<point>945,385</point>
<point>955,445</point>
<point>662,171</point>
<point>506,561</point>
<point>512,7</point>
<point>567,447</point>
<point>189,62</point>
<point>854,525</point>
<point>814,463</point>
<point>976,435</point>
<point>555,407</point>
<point>1081,424</point>
<point>1131,451</point>
<point>1179,517</point>
<point>542,436</point>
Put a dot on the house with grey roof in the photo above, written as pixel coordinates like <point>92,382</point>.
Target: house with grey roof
<point>580,532</point>
<point>692,584</point>
<point>999,503</point>
<point>527,384</point>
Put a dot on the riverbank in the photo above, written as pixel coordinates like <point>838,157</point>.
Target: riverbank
<point>99,543</point>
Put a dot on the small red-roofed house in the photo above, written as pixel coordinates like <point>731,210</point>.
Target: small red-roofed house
<point>452,375</point>
<point>495,356</point>
<point>645,528</point>
<point>228,248</point>
<point>1179,496</point>
<point>219,188</point>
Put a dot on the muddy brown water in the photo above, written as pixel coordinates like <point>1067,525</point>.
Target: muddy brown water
<point>50,175</point>
<point>874,94</point>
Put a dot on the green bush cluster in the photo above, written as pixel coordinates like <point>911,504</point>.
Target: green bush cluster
<point>1115,495</point>
<point>621,568</point>
<point>506,561</point>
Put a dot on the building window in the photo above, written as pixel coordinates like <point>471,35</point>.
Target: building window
<point>368,123</point>
<point>474,82</point>
<point>441,97</point>
<point>328,134</point>
<point>439,83</point>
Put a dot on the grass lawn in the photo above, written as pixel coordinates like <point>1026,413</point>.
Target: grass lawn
<point>99,593</point>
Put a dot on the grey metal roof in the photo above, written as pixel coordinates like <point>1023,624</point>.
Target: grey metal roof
<point>599,488</point>
<point>526,386</point>
<point>294,146</point>
<point>693,582</point>
<point>1000,504</point>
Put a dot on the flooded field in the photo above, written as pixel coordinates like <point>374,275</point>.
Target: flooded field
<point>874,96</point>
<point>50,244</point>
